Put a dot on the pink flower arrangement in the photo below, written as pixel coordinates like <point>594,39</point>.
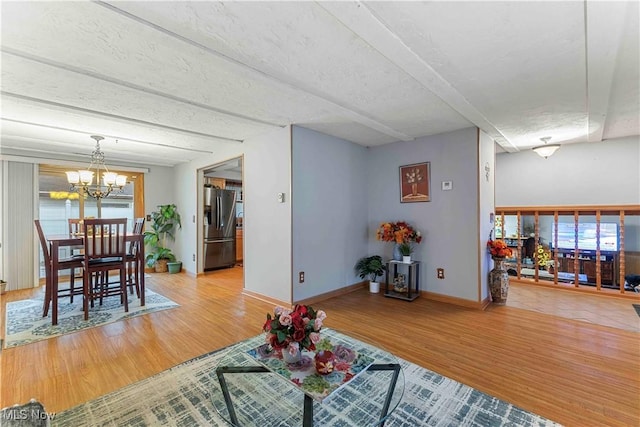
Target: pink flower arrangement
<point>295,329</point>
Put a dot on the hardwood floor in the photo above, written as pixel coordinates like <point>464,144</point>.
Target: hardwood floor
<point>571,371</point>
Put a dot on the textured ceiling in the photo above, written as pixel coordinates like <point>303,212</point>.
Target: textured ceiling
<point>166,82</point>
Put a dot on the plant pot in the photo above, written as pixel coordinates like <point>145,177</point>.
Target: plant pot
<point>374,287</point>
<point>161,266</point>
<point>3,287</point>
<point>406,259</point>
<point>174,267</point>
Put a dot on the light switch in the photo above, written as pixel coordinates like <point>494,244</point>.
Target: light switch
<point>281,197</point>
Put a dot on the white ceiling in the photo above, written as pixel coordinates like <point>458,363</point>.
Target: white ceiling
<point>166,82</point>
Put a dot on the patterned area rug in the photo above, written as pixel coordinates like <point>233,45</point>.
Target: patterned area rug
<point>25,324</point>
<point>188,394</point>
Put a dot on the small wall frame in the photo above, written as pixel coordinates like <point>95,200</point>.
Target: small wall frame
<point>415,183</point>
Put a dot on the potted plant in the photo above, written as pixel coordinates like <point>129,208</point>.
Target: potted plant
<point>164,223</point>
<point>371,267</point>
<point>406,249</point>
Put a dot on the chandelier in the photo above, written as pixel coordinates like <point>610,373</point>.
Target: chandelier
<point>547,149</point>
<point>83,179</point>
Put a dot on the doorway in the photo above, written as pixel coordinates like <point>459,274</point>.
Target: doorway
<point>222,216</point>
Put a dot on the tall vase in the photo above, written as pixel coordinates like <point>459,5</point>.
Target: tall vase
<point>499,282</point>
<point>397,255</point>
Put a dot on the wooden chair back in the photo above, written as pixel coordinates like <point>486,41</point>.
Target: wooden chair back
<point>43,245</point>
<point>105,238</point>
<point>76,226</point>
<point>138,226</point>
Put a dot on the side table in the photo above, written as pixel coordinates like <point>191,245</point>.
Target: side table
<point>411,280</point>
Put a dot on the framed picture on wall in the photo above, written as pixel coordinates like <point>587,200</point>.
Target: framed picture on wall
<point>415,183</point>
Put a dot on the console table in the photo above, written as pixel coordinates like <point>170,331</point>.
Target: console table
<point>412,280</point>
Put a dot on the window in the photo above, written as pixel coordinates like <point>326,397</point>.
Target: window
<point>57,203</point>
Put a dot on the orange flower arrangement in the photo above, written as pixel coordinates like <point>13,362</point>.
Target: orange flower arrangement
<point>498,248</point>
<point>399,232</point>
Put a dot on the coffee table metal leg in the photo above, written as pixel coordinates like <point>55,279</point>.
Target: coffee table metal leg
<point>395,367</point>
<point>225,390</point>
<point>307,415</point>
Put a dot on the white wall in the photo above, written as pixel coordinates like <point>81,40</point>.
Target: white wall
<point>486,188</point>
<point>449,222</point>
<point>266,224</point>
<point>329,205</point>
<point>602,173</point>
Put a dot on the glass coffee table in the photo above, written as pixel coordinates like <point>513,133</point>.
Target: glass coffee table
<point>258,390</point>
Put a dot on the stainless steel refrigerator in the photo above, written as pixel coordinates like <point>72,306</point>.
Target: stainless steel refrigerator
<point>219,228</point>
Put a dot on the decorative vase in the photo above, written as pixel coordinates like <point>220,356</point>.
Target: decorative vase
<point>406,259</point>
<point>397,255</point>
<point>288,358</point>
<point>498,282</point>
<point>325,362</point>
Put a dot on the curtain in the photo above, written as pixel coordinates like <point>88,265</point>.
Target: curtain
<point>19,188</point>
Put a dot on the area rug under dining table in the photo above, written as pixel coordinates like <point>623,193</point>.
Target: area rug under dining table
<point>185,394</point>
<point>25,324</point>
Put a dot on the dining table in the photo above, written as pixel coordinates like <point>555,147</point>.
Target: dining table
<point>69,240</point>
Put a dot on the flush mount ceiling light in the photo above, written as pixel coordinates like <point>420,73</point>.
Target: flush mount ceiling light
<point>547,149</point>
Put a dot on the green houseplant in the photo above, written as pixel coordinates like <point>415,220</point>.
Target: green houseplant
<point>164,223</point>
<point>371,267</point>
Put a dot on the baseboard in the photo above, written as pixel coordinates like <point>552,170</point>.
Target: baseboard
<point>266,298</point>
<point>478,305</point>
<point>334,293</point>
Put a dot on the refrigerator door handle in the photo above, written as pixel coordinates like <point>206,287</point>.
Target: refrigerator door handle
<point>219,216</point>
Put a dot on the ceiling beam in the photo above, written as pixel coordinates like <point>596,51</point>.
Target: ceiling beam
<point>365,24</point>
<point>100,114</point>
<point>283,80</point>
<point>604,25</point>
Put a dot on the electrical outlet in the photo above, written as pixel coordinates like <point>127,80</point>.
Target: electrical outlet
<point>440,273</point>
<point>194,257</point>
<point>301,277</point>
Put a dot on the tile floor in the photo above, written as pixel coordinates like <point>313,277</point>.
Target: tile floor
<point>599,309</point>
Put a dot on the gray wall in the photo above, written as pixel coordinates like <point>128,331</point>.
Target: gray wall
<point>449,222</point>
<point>329,205</point>
<point>602,173</point>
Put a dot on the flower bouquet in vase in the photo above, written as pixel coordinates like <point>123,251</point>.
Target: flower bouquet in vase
<point>291,331</point>
<point>403,235</point>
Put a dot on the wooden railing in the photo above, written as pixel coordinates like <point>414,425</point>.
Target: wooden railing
<point>591,265</point>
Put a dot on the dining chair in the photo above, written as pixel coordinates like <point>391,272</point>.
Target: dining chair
<point>76,226</point>
<point>133,270</point>
<point>71,264</point>
<point>105,249</point>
